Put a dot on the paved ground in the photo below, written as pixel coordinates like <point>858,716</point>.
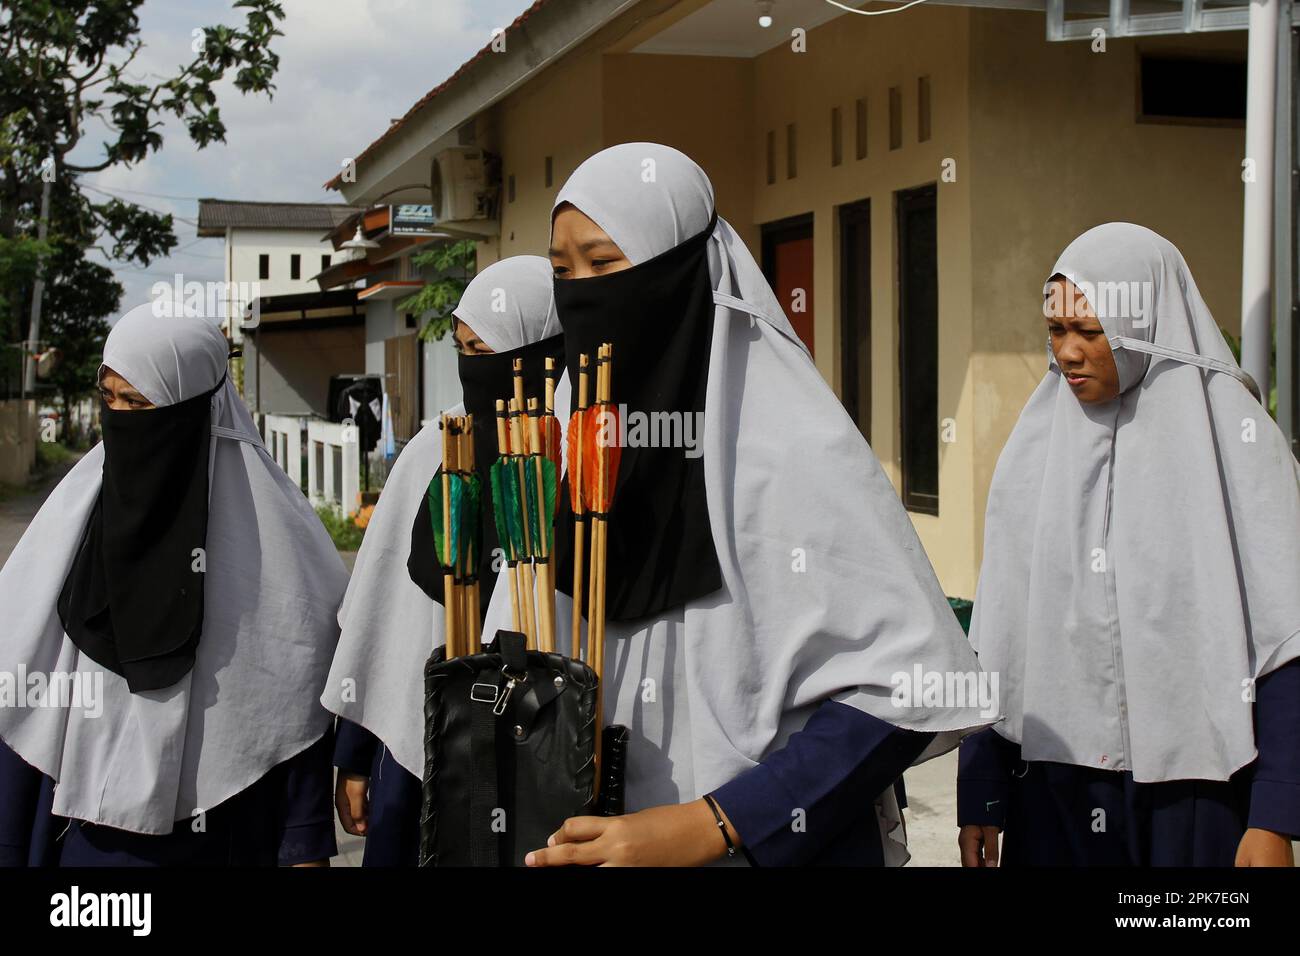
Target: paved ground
<point>932,812</point>
<point>16,512</point>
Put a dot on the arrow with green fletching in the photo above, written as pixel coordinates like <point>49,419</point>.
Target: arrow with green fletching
<point>456,491</point>
<point>507,507</point>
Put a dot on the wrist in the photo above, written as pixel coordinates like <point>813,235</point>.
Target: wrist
<point>1272,835</point>
<point>723,840</point>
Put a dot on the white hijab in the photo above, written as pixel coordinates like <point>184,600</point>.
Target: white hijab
<point>711,688</point>
<point>1141,557</point>
<point>272,581</point>
<point>389,625</point>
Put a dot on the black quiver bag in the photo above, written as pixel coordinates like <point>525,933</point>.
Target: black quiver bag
<point>509,742</point>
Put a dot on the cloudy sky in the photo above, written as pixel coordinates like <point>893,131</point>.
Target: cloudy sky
<point>346,68</point>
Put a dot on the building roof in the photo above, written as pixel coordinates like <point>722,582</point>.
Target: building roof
<point>423,101</point>
<point>217,215</point>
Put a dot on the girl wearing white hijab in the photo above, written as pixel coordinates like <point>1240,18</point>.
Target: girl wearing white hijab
<point>183,590</point>
<point>392,616</point>
<point>1140,592</point>
<point>768,599</point>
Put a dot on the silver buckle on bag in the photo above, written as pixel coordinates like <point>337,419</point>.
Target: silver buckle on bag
<point>511,681</point>
<point>490,690</point>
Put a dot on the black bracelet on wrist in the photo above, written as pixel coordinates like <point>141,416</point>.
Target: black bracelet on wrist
<point>722,826</point>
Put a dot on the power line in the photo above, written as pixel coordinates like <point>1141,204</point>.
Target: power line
<point>192,222</point>
<point>141,192</point>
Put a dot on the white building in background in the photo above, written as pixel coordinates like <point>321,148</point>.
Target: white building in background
<point>275,248</point>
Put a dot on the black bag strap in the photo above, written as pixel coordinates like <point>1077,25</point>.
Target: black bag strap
<point>483,840</point>
<point>485,843</point>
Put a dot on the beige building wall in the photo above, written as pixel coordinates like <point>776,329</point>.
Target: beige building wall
<point>1043,139</point>
<point>662,99</point>
<point>854,58</point>
<point>558,114</point>
<point>1056,147</point>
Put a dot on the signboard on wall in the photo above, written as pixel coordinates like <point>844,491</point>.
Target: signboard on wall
<point>411,219</point>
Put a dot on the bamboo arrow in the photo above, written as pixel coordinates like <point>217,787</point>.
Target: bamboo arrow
<point>444,494</point>
<point>577,430</point>
<point>471,536</point>
<point>505,511</point>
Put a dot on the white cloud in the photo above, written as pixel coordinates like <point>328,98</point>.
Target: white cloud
<point>346,68</point>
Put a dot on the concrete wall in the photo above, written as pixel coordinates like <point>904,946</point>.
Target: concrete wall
<point>441,378</point>
<point>293,368</point>
<point>558,114</point>
<point>853,58</point>
<point>18,436</point>
<point>1044,142</point>
<point>1055,149</point>
<point>657,99</point>
<point>242,251</point>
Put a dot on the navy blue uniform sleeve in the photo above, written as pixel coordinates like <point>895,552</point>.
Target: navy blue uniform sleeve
<point>20,787</point>
<point>307,810</point>
<point>354,748</point>
<point>799,799</point>
<point>1275,786</point>
<point>984,764</point>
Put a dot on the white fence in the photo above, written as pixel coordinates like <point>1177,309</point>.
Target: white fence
<point>333,465</point>
<point>284,442</point>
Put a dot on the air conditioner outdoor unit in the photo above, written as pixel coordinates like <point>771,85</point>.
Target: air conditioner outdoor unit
<point>465,183</point>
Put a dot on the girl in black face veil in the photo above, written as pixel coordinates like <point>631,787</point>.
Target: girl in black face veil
<point>766,587</point>
<point>392,616</point>
<point>183,584</point>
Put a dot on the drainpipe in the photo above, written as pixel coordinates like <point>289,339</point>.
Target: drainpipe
<point>1284,248</point>
<point>1257,221</point>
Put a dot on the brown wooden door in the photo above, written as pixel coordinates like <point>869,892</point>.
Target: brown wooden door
<point>788,265</point>
<point>402,383</point>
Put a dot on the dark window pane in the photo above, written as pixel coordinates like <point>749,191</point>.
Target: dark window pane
<point>860,146</point>
<point>895,117</point>
<point>918,313</point>
<point>1192,88</point>
<point>837,139</point>
<point>923,109</point>
<point>855,313</point>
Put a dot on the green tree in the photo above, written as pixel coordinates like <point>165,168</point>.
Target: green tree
<point>19,258</point>
<point>453,264</point>
<point>80,294</point>
<point>65,73</point>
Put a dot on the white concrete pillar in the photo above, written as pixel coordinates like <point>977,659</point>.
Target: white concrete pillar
<point>1257,222</point>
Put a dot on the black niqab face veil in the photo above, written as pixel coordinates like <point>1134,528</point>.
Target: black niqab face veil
<point>658,315</point>
<point>133,599</point>
<point>483,379</point>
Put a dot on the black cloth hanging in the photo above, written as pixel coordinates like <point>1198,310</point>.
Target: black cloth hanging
<point>659,317</point>
<point>362,402</point>
<point>483,379</point>
<point>133,598</point>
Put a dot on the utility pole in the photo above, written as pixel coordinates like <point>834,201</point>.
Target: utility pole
<point>38,290</point>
